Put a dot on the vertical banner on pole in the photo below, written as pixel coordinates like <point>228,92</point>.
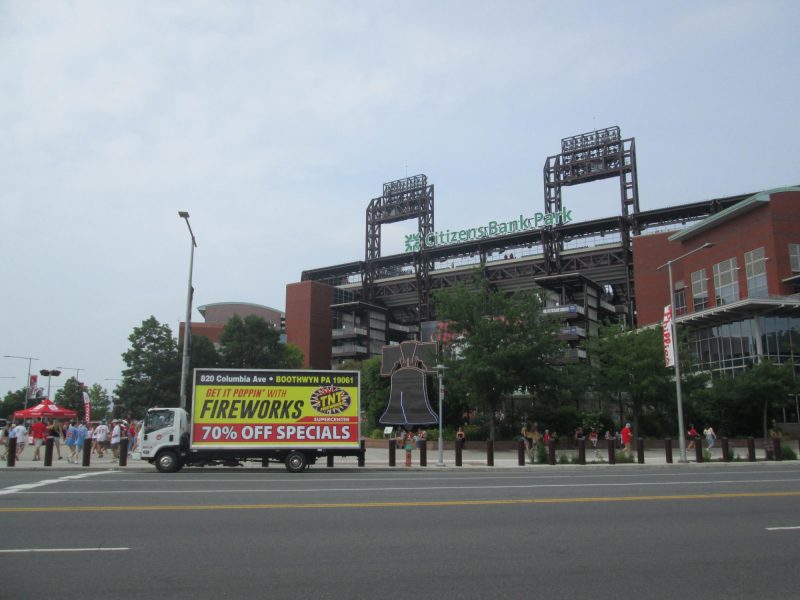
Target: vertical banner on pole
<point>669,342</point>
<point>86,406</point>
<point>32,385</point>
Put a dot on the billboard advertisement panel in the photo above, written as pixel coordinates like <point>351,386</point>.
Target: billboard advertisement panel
<point>233,408</point>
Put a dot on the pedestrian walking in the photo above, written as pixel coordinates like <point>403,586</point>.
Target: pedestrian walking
<point>693,435</point>
<point>70,441</point>
<point>21,433</point>
<point>100,438</point>
<point>38,433</point>
<point>625,435</point>
<point>710,436</point>
<point>55,432</point>
<point>409,444</point>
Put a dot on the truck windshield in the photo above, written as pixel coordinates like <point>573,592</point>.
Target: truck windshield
<point>158,419</point>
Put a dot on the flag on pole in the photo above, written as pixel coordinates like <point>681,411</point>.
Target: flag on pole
<point>669,342</point>
<point>86,406</point>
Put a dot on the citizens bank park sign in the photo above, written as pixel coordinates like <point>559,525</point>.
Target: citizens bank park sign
<point>414,242</point>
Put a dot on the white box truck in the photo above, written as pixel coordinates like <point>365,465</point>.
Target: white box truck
<point>238,415</point>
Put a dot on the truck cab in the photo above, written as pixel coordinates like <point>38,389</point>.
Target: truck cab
<point>165,437</point>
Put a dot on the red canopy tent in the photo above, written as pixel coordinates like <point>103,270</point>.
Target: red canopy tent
<point>46,409</point>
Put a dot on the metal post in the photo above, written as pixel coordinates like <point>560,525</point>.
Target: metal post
<point>551,452</point>
<point>640,450</point>
<point>185,363</point>
<point>612,452</point>
<point>698,449</point>
<point>48,451</point>
<point>392,452</point>
<point>123,452</point>
<point>459,450</point>
<point>87,452</point>
<point>362,454</point>
<point>521,453</point>
<point>674,332</point>
<point>776,449</point>
<point>440,371</point>
<point>668,449</point>
<point>489,453</point>
<point>11,456</point>
<point>581,451</point>
<point>751,450</point>
<point>423,453</point>
<point>726,457</point>
<point>330,461</point>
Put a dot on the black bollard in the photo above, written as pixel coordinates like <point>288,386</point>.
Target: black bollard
<point>87,452</point>
<point>612,455</point>
<point>581,451</point>
<point>726,456</point>
<point>776,449</point>
<point>640,450</point>
<point>668,449</point>
<point>551,452</point>
<point>423,453</point>
<point>362,454</point>
<point>698,450</point>
<point>751,450</point>
<point>330,461</point>
<point>392,452</point>
<point>459,450</point>
<point>48,452</point>
<point>521,453</point>
<point>11,457</point>
<point>264,463</point>
<point>123,452</point>
<point>489,453</point>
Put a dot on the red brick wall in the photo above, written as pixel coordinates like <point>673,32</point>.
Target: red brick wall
<point>773,226</point>
<point>308,321</point>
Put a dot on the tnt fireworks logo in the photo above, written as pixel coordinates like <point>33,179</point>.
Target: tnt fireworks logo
<point>330,400</point>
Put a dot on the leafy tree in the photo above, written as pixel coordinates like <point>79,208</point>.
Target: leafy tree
<point>154,368</point>
<point>254,343</point>
<point>202,353</point>
<point>71,396</point>
<point>502,343</point>
<point>13,401</point>
<point>374,390</point>
<point>766,386</point>
<point>629,368</point>
<point>99,402</point>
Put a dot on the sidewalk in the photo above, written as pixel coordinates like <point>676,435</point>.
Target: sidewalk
<point>377,458</point>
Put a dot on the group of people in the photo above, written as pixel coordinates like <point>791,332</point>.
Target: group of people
<point>708,433</point>
<point>71,434</point>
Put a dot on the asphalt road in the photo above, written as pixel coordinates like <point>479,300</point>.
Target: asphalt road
<point>658,532</point>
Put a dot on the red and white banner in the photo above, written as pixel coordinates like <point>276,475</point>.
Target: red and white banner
<point>669,342</point>
<point>86,407</point>
<point>32,385</point>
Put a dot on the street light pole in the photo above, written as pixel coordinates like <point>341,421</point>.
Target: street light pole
<point>49,373</point>
<point>77,371</point>
<point>28,380</point>
<point>185,364</point>
<point>674,334</point>
<point>440,370</point>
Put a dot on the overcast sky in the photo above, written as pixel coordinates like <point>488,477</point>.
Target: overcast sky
<point>275,123</point>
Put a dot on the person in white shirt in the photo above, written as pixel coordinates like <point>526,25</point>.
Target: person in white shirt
<point>21,433</point>
<point>116,435</point>
<point>101,437</point>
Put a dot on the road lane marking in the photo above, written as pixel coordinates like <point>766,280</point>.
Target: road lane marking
<point>24,550</point>
<point>408,504</point>
<point>782,528</point>
<point>23,487</point>
<point>405,488</point>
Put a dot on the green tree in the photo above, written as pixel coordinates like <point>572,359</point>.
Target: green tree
<point>374,390</point>
<point>99,402</point>
<point>766,386</point>
<point>628,367</point>
<point>152,377</point>
<point>254,343</point>
<point>202,353</point>
<point>502,343</point>
<point>71,396</point>
<point>13,401</point>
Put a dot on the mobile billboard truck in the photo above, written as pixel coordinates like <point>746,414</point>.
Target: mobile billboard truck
<point>238,415</point>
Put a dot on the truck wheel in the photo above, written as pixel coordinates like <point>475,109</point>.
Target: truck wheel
<point>296,462</point>
<point>167,462</point>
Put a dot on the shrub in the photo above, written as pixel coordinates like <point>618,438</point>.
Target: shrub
<point>787,453</point>
<point>563,458</point>
<point>541,454</point>
<point>624,457</point>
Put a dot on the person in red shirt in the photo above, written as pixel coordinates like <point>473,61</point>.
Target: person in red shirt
<point>625,434</point>
<point>693,435</point>
<point>38,433</point>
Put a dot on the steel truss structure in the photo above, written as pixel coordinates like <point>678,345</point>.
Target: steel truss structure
<point>600,250</point>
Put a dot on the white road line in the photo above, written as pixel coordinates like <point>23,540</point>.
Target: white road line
<point>782,528</point>
<point>22,487</point>
<point>23,550</point>
<point>406,488</point>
